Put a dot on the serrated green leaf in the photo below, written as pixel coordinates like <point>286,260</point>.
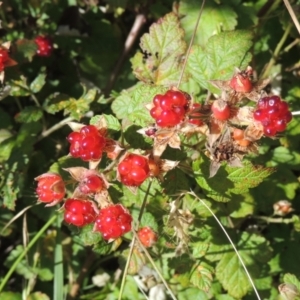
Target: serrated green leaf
<point>201,276</point>
<point>111,121</point>
<point>76,108</point>
<point>163,48</point>
<point>192,293</point>
<point>215,18</point>
<point>243,208</point>
<point>88,236</point>
<point>223,52</point>
<point>131,105</point>
<point>229,180</point>
<point>29,114</point>
<point>27,48</point>
<point>291,278</point>
<point>19,88</point>
<point>248,176</point>
<point>147,219</point>
<point>200,249</point>
<point>232,276</point>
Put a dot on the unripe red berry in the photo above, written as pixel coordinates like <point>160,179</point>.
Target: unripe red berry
<point>50,188</point>
<point>45,46</point>
<point>147,236</point>
<point>220,110</point>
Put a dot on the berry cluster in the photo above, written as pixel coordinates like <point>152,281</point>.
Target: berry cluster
<point>113,221</point>
<point>169,109</point>
<point>79,212</point>
<point>91,184</point>
<point>87,144</point>
<point>133,170</point>
<point>147,236</point>
<point>3,58</point>
<point>273,114</point>
<point>50,188</point>
<point>45,46</point>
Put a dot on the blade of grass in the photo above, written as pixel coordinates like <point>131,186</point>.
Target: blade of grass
<point>31,243</point>
<point>58,282</point>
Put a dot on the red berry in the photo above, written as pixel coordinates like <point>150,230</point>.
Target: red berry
<point>220,110</point>
<point>3,58</point>
<point>273,114</point>
<point>79,212</point>
<point>91,184</point>
<point>88,144</point>
<point>50,188</point>
<point>169,109</point>
<point>45,46</point>
<point>113,221</point>
<point>147,236</point>
<point>133,170</point>
<point>241,82</point>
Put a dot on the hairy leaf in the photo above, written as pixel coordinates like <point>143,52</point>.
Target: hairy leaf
<point>160,61</point>
<point>215,18</point>
<point>131,105</point>
<point>222,53</point>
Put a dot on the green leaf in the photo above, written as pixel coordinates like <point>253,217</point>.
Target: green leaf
<point>283,155</point>
<point>192,293</point>
<point>201,276</point>
<point>26,48</point>
<point>76,108</point>
<point>175,182</point>
<point>111,121</point>
<point>131,105</point>
<point>228,180</point>
<point>223,52</point>
<point>19,88</point>
<point>255,252</point>
<point>160,62</point>
<point>232,276</point>
<point>215,18</point>
<point>29,114</point>
<point>88,236</point>
<point>291,278</point>
<point>147,219</point>
<point>38,83</point>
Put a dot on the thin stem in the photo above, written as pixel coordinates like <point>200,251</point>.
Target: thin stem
<point>296,113</point>
<point>21,256</point>
<point>54,128</point>
<point>191,44</point>
<point>131,38</point>
<point>291,45</point>
<point>275,220</point>
<point>276,52</point>
<point>292,14</point>
<point>133,240</point>
<point>232,244</point>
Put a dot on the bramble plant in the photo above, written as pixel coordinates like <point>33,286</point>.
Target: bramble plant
<point>174,176</point>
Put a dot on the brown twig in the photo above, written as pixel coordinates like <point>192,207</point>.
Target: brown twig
<point>132,36</point>
<point>292,14</point>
